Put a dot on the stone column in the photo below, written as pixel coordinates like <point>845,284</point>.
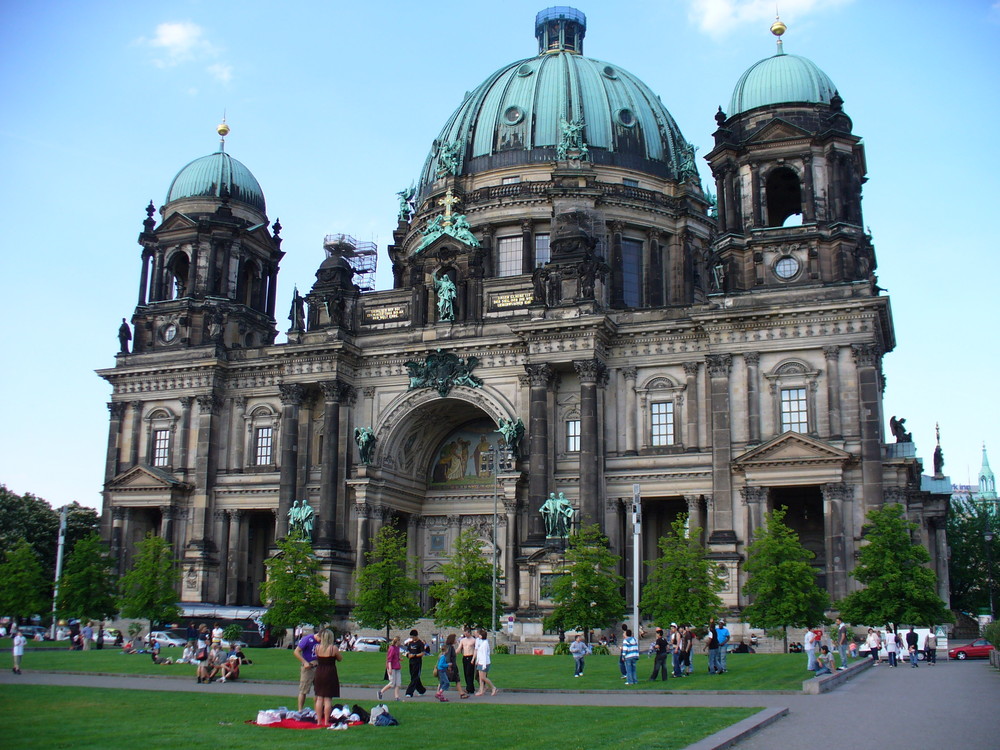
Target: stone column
<point>291,399</point>
<point>540,377</point>
<point>752,360</point>
<point>209,406</point>
<point>835,498</point>
<point>239,433</point>
<point>510,554</point>
<point>527,246</point>
<point>220,536</point>
<point>758,213</point>
<point>733,223</point>
<point>617,263</point>
<point>692,405</point>
<point>157,293</point>
<point>118,517</point>
<point>144,276</point>
<point>629,373</point>
<point>181,451</point>
<point>236,555</point>
<point>867,359</point>
<point>412,527</point>
<point>809,194</point>
<point>719,366</point>
<point>133,451</point>
<point>695,516</point>
<point>113,461</point>
<point>332,527</point>
<point>590,372</point>
<point>167,515</point>
<point>832,354</point>
<point>304,445</point>
<point>364,512</point>
<point>272,289</point>
<point>755,500</point>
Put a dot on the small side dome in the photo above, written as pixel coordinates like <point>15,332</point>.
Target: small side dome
<point>210,175</point>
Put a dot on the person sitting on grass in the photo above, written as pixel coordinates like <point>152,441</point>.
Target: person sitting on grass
<point>215,660</point>
<point>230,668</point>
<point>187,657</point>
<point>239,654</point>
<point>154,651</point>
<point>824,661</point>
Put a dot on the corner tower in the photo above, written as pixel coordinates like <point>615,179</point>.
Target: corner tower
<point>209,270</point>
<point>788,171</point>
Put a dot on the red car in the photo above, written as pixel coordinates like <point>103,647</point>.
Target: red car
<point>978,649</point>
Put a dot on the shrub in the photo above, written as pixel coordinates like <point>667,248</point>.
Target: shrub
<point>992,633</point>
<point>232,632</point>
<point>384,646</point>
<point>561,649</point>
<point>600,649</point>
<point>501,648</point>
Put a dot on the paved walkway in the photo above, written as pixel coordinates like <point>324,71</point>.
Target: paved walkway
<point>946,707</point>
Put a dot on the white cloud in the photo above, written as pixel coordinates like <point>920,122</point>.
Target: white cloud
<point>717,18</point>
<point>178,42</point>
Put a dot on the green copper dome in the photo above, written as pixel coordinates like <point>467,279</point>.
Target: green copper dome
<point>207,176</point>
<point>514,117</point>
<point>781,79</point>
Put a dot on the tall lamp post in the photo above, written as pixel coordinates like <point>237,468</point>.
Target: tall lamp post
<point>988,538</point>
<point>498,457</point>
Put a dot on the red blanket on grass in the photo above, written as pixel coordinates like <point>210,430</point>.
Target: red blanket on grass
<point>295,724</point>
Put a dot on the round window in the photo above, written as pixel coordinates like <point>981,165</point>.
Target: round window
<point>625,117</point>
<point>786,267</point>
<point>513,115</point>
<point>609,72</point>
<point>525,70</point>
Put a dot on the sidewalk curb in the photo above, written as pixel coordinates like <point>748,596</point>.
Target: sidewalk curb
<point>740,730</point>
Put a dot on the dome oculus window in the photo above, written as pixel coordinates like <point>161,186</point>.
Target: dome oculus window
<point>625,117</point>
<point>513,115</point>
<point>609,72</point>
<point>786,267</point>
<point>525,70</point>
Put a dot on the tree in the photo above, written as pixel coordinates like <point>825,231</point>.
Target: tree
<point>88,587</point>
<point>294,591</point>
<point>386,591</point>
<point>898,586</point>
<point>25,590</point>
<point>33,519</point>
<point>465,596</point>
<point>968,522</point>
<point>683,585</point>
<point>588,593</point>
<point>149,588</point>
<point>781,583</point>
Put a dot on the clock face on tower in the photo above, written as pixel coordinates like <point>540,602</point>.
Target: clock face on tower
<point>786,267</point>
<point>168,333</point>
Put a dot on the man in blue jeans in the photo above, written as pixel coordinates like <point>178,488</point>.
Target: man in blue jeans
<point>713,648</point>
<point>842,643</point>
<point>723,633</point>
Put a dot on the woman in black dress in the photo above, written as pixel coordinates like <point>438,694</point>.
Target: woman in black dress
<point>326,684</point>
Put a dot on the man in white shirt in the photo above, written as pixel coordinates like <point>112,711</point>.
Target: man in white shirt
<point>18,651</point>
<point>809,646</point>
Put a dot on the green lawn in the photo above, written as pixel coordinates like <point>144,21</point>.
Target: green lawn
<point>746,671</point>
<point>97,718</point>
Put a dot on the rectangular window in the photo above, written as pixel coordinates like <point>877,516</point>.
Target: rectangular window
<point>542,255</point>
<point>794,415</point>
<point>511,180</point>
<point>630,183</point>
<point>509,256</point>
<point>161,447</point>
<point>573,435</point>
<point>437,542</point>
<point>263,454</point>
<point>662,424</point>
<point>632,272</point>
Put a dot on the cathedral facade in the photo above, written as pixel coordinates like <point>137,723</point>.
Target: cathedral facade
<point>572,312</point>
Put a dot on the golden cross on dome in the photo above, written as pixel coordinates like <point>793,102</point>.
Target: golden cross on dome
<point>448,201</point>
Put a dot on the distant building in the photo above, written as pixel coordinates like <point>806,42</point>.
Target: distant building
<point>561,273</point>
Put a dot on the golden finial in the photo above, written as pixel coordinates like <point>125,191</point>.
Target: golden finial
<point>778,27</point>
<point>223,129</point>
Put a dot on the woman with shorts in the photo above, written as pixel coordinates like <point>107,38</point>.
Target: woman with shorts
<point>483,664</point>
<point>393,669</point>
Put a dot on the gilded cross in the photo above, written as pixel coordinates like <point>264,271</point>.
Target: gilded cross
<point>448,201</point>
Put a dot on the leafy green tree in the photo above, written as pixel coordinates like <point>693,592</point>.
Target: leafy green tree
<point>294,591</point>
<point>386,591</point>
<point>88,588</point>
<point>149,588</point>
<point>588,594</point>
<point>34,520</point>
<point>781,583</point>
<point>899,588</point>
<point>968,522</point>
<point>683,585</point>
<point>465,596</point>
<point>24,590</point>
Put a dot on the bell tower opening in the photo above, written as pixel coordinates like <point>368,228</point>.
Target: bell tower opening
<point>784,196</point>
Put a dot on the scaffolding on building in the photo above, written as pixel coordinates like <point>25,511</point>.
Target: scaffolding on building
<point>363,257</point>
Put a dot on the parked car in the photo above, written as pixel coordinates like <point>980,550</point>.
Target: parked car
<point>34,632</point>
<point>229,644</point>
<point>369,644</point>
<point>110,634</point>
<point>978,649</point>
<point>165,639</point>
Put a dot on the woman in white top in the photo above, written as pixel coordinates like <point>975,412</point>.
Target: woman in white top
<point>482,660</point>
<point>874,644</point>
<point>890,645</point>
<point>18,650</point>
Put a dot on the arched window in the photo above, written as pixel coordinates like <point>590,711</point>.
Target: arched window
<point>248,291</point>
<point>176,281</point>
<point>784,196</point>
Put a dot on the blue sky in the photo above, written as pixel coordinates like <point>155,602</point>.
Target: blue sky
<point>334,105</point>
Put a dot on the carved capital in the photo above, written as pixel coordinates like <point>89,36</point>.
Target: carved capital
<point>693,503</point>
<point>719,365</point>
<point>186,402</point>
<point>527,225</point>
<point>291,394</point>
<point>220,515</point>
<point>539,375</point>
<point>334,391</point>
<point>117,409</point>
<point>895,495</point>
<point>753,495</point>
<point>363,510</point>
<point>209,403</point>
<point>616,227</point>
<point>510,506</point>
<point>832,353</point>
<point>136,406</point>
<point>369,391</point>
<point>751,358</point>
<point>237,515</point>
<point>454,522</point>
<point>866,355</point>
<point>589,370</point>
<point>630,373</point>
<point>691,369</point>
<point>240,402</point>
<point>118,513</point>
<point>837,491</point>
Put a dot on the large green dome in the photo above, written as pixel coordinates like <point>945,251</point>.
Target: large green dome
<point>209,175</point>
<point>513,117</point>
<point>781,79</point>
